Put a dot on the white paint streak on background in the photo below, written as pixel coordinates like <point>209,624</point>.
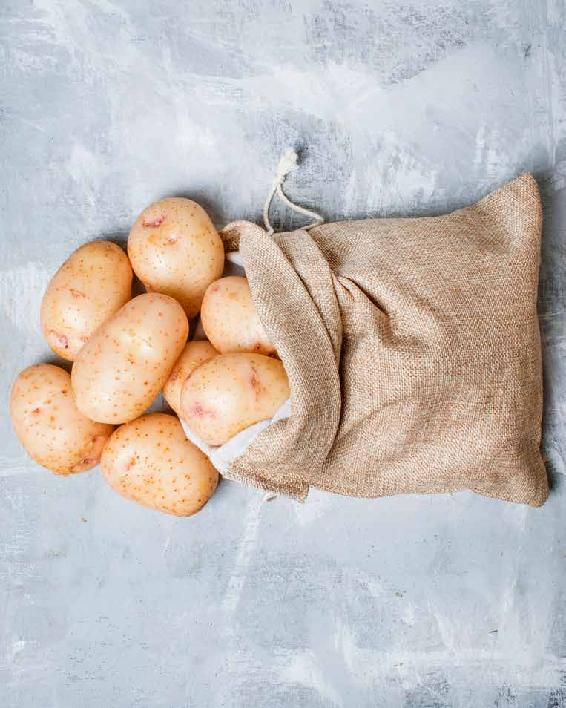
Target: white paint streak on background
<point>246,549</point>
<point>21,291</point>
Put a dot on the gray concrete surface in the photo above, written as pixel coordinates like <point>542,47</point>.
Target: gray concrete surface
<point>399,107</point>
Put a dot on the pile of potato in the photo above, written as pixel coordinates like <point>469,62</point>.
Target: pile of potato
<point>125,351</point>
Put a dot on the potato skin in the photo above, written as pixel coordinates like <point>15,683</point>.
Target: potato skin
<point>50,426</point>
<point>175,249</point>
<point>91,285</point>
<point>231,392</point>
<point>124,365</point>
<point>151,462</point>
<point>230,320</point>
<point>193,355</point>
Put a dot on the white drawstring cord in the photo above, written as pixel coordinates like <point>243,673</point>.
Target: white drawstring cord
<point>287,163</point>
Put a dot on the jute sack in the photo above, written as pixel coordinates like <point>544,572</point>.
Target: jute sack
<point>412,349</point>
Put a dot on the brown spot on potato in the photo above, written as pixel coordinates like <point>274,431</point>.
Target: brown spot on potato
<point>152,222</point>
<point>255,382</point>
<point>199,411</point>
<point>77,294</point>
<point>61,340</point>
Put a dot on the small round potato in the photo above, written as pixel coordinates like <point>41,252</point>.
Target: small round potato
<point>194,354</point>
<point>175,249</point>
<point>230,320</point>
<point>124,365</point>
<point>231,392</point>
<point>150,461</point>
<point>50,426</point>
<point>91,285</point>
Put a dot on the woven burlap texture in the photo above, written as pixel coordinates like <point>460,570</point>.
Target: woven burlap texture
<point>412,348</point>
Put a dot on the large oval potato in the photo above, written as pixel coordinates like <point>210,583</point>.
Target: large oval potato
<point>175,249</point>
<point>231,392</point>
<point>50,426</point>
<point>193,355</point>
<point>124,365</point>
<point>91,285</point>
<point>150,461</point>
<point>230,320</point>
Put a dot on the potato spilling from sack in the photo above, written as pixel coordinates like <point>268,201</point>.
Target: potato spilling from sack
<point>50,426</point>
<point>193,355</point>
<point>91,285</point>
<point>126,362</point>
<point>230,392</point>
<point>230,320</point>
<point>150,461</point>
<point>175,249</point>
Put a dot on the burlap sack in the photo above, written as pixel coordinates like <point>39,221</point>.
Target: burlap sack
<point>412,349</point>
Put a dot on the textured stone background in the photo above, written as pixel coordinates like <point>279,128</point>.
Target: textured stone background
<point>399,107</point>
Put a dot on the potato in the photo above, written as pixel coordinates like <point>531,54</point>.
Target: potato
<point>50,426</point>
<point>91,285</point>
<point>231,392</point>
<point>193,355</point>
<point>230,320</point>
<point>150,461</point>
<point>124,365</point>
<point>175,249</point>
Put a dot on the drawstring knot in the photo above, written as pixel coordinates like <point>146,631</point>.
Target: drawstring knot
<point>287,163</point>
